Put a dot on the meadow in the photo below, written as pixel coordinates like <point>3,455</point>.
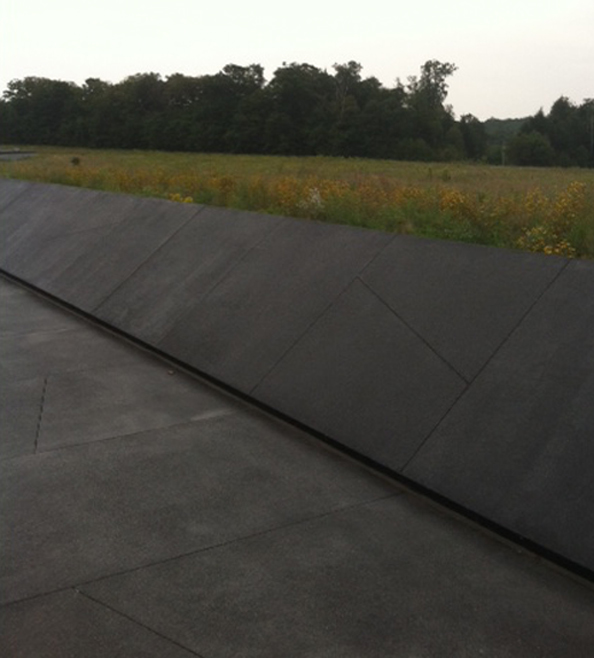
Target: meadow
<point>546,210</point>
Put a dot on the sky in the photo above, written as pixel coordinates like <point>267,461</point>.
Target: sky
<point>513,56</point>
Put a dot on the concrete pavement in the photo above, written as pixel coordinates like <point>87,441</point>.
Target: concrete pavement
<point>146,513</point>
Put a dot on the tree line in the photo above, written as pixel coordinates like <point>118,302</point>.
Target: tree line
<point>302,110</point>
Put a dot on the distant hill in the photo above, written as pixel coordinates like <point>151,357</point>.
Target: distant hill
<point>499,131</point>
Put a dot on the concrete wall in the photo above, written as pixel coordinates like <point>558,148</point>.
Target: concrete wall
<point>466,369</point>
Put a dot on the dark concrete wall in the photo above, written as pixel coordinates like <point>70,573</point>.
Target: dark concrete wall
<point>466,369</point>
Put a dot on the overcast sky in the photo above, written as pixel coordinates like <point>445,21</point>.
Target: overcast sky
<point>513,56</point>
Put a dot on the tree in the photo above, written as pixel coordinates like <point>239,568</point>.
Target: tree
<point>385,122</point>
<point>431,86</point>
<point>246,79</point>
<point>569,130</point>
<point>473,136</point>
<point>303,110</point>
<point>212,102</point>
<point>346,79</point>
<point>426,96</point>
<point>533,149</point>
<point>586,115</point>
<point>246,134</point>
<point>44,111</point>
<point>299,96</point>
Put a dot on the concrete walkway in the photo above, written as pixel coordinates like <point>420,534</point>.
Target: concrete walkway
<point>144,513</point>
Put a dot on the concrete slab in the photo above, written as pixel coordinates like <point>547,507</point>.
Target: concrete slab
<point>51,225</point>
<point>56,236</point>
<point>10,189</point>
<point>99,403</point>
<point>85,512</point>
<point>49,211</point>
<point>20,408</point>
<point>24,312</point>
<point>514,448</point>
<point>29,355</point>
<point>256,313</point>
<point>39,262</point>
<point>71,624</point>
<point>105,264</point>
<point>363,378</point>
<point>463,299</point>
<point>390,578</point>
<point>179,274</point>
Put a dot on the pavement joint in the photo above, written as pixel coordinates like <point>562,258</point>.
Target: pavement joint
<point>230,542</point>
<point>138,623</point>
<point>484,366</point>
<point>78,587</point>
<point>433,429</point>
<point>414,331</point>
<point>131,435</point>
<point>307,329</point>
<point>229,271</point>
<point>39,418</point>
<point>520,321</point>
<point>148,257</point>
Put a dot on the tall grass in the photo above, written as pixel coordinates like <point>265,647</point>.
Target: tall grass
<point>543,210</point>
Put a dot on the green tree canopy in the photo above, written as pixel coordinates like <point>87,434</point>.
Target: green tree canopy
<point>301,110</point>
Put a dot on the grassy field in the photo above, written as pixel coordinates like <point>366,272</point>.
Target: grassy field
<point>534,209</point>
